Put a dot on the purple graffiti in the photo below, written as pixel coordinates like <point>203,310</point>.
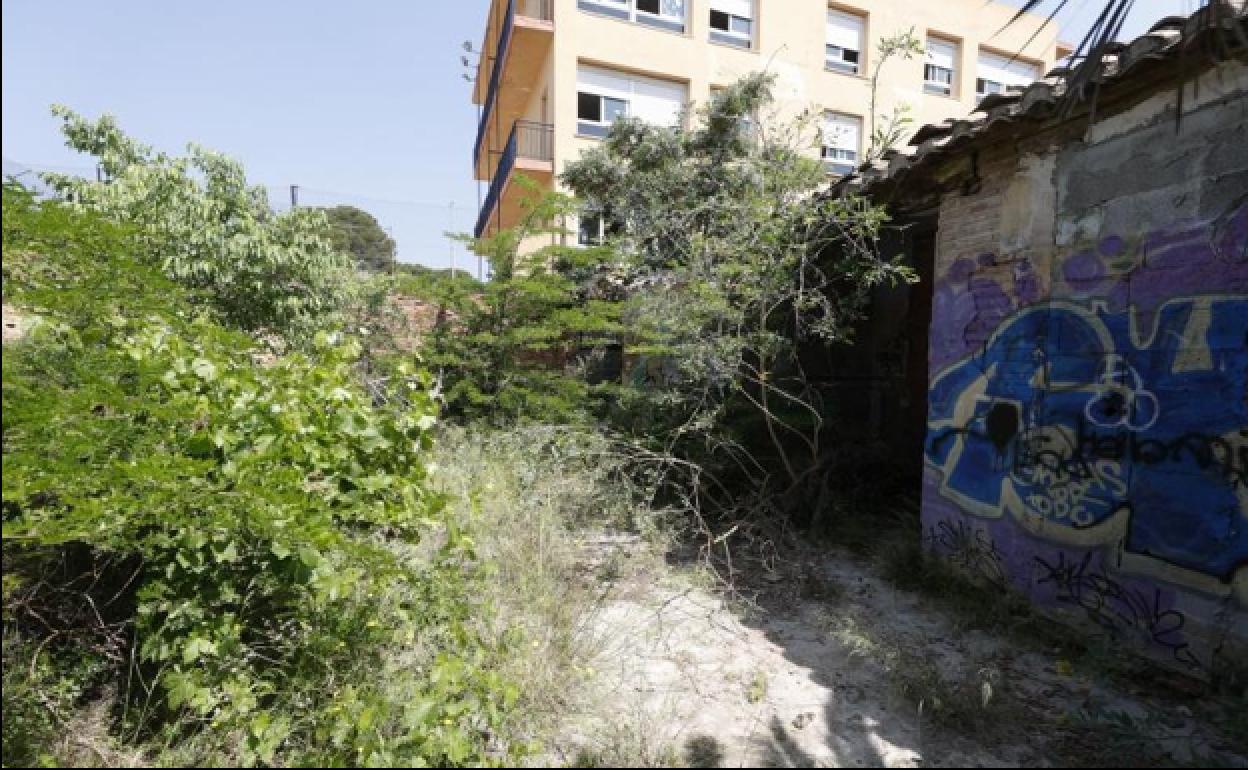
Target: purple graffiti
<point>1107,393</point>
<point>1083,267</point>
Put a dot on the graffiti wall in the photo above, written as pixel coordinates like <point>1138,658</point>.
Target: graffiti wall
<point>1087,435</point>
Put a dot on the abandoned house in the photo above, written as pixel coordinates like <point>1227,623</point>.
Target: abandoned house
<point>1085,275</point>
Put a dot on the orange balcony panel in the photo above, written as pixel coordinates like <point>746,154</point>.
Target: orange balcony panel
<point>530,152</point>
<point>524,48</point>
<point>515,195</point>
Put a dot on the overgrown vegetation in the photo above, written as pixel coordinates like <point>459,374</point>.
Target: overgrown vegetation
<point>230,536</point>
<point>524,345</point>
<point>234,551</point>
<point>204,227</point>
<point>215,554</point>
<point>707,257</point>
<point>733,257</point>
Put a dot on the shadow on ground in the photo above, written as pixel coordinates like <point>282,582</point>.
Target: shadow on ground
<point>834,666</point>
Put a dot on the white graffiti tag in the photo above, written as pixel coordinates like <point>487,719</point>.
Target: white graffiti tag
<point>1121,400</point>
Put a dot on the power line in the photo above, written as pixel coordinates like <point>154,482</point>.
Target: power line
<point>369,198</point>
<point>304,191</point>
<point>422,240</point>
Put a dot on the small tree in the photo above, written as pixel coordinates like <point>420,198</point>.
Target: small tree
<point>733,256</point>
<point>519,346</point>
<point>887,131</point>
<point>198,219</point>
<point>357,232</point>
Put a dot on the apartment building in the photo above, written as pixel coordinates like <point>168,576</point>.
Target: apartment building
<point>554,74</point>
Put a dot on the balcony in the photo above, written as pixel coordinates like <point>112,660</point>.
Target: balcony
<point>525,32</point>
<point>530,150</point>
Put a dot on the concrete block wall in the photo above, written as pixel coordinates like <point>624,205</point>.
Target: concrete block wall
<point>1087,436</point>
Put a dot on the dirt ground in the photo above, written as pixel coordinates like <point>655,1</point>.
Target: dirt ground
<point>13,324</point>
<point>853,673</point>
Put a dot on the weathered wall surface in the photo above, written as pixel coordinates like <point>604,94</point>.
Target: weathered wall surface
<point>1088,409</point>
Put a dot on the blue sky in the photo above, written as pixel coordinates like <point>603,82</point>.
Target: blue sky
<point>359,102</point>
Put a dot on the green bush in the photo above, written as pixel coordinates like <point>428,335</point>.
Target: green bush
<point>245,541</point>
<point>434,284</point>
<point>198,220</point>
<point>524,345</point>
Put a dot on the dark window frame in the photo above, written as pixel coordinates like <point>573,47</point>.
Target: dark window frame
<point>583,99</point>
<point>935,85</point>
<point>726,34</point>
<point>849,61</point>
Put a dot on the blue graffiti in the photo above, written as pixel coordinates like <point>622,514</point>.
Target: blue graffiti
<point>1078,417</point>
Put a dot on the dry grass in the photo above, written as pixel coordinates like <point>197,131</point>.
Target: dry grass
<point>550,512</point>
<point>637,738</point>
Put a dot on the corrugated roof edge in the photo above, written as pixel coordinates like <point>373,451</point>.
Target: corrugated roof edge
<point>1039,102</point>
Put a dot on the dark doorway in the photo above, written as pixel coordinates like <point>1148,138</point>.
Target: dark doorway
<point>913,412</point>
<point>874,389</point>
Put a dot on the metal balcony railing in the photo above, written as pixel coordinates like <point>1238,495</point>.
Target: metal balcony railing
<point>534,141</point>
<point>533,9</point>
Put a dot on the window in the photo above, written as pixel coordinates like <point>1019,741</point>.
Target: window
<point>620,9</point>
<point>589,107</point>
<point>995,73</point>
<point>595,108</point>
<point>938,67</point>
<point>747,126</point>
<point>604,96</point>
<point>595,226</point>
<point>664,14</point>
<point>983,87</point>
<point>844,42</point>
<point>589,231</point>
<point>842,140</point>
<point>732,22</point>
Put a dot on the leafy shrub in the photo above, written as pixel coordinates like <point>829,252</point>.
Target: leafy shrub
<point>206,228</point>
<point>239,538</point>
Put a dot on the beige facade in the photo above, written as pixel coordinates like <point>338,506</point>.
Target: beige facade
<point>567,67</point>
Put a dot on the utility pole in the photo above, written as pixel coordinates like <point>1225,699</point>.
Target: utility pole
<point>294,196</point>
